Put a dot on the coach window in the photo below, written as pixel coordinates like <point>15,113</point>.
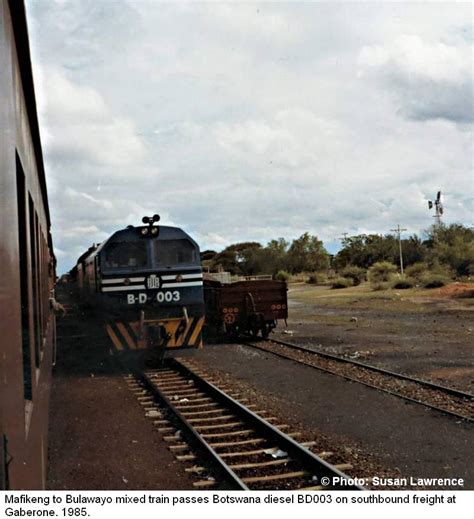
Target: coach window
<point>126,254</point>
<point>173,252</point>
<point>23,255</point>
<point>34,277</point>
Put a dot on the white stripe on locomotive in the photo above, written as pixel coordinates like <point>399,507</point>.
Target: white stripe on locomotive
<point>124,288</point>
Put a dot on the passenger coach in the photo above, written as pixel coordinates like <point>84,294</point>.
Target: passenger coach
<point>27,322</point>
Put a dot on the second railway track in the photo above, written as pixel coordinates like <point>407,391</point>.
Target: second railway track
<point>444,399</point>
<point>235,448</point>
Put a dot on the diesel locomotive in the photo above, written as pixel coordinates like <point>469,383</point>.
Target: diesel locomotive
<point>146,285</point>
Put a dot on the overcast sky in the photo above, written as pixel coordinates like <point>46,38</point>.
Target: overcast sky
<point>251,121</point>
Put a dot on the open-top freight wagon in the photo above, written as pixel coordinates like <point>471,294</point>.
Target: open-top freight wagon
<point>244,307</point>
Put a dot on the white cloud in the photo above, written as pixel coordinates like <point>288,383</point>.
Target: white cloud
<point>251,121</point>
<point>78,123</point>
<point>430,79</point>
<point>258,21</point>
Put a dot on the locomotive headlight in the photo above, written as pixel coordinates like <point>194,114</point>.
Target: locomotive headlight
<point>154,230</point>
<point>126,281</point>
<point>179,278</point>
<point>144,231</point>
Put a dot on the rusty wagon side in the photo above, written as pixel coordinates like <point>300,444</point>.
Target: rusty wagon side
<point>244,307</point>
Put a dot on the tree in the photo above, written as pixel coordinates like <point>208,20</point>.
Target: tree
<point>208,255</point>
<point>307,253</point>
<point>237,258</point>
<point>366,249</point>
<point>452,246</point>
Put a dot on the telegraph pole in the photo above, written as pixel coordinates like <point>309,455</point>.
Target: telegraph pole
<point>399,231</point>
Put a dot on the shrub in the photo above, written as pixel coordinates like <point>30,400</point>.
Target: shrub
<point>341,283</point>
<point>434,281</point>
<point>357,274</point>
<point>417,271</point>
<point>381,272</point>
<point>282,275</point>
<point>403,283</point>
<point>297,278</point>
<point>379,286</point>
<point>440,269</point>
<point>317,278</point>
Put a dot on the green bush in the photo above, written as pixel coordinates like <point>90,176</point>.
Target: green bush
<point>341,283</point>
<point>379,286</point>
<point>381,272</point>
<point>417,270</point>
<point>470,269</point>
<point>357,274</point>
<point>282,275</point>
<point>403,283</point>
<point>434,281</point>
<point>317,278</point>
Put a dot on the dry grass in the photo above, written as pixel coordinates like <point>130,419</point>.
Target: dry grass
<point>363,296</point>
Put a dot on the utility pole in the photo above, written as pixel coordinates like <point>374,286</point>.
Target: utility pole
<point>399,231</point>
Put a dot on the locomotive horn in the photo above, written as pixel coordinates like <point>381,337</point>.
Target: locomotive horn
<point>145,219</point>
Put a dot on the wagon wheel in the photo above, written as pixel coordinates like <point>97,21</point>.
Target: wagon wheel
<point>266,329</point>
<point>256,325</point>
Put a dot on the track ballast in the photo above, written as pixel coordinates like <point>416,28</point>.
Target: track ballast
<point>445,399</point>
<point>237,447</point>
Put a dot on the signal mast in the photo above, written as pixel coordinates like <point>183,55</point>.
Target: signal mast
<point>438,208</point>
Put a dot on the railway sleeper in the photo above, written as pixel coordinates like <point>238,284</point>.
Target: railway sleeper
<point>263,464</point>
<point>185,392</point>
<point>206,483</point>
<point>276,477</point>
<point>214,427</point>
<point>212,419</point>
<point>187,414</point>
<point>208,404</point>
<point>194,400</point>
<point>243,432</point>
<point>252,441</point>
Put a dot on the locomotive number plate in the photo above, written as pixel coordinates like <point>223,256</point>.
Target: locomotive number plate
<point>163,296</point>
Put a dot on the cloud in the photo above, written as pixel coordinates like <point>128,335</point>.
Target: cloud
<point>251,121</point>
<point>78,124</point>
<point>430,80</point>
<point>257,21</point>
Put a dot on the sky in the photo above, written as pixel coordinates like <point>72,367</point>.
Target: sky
<point>243,121</point>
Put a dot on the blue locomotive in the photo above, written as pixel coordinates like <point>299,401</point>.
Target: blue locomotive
<point>146,284</point>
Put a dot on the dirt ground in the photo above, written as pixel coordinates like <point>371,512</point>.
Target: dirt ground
<point>379,434</point>
<point>99,437</point>
<point>424,333</point>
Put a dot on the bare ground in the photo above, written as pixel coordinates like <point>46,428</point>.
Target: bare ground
<point>380,434</point>
<point>99,437</point>
<point>423,333</point>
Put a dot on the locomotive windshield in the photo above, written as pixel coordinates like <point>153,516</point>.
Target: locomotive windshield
<point>167,253</point>
<point>126,254</point>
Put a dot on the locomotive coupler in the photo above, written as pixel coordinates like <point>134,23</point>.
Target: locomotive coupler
<point>157,337</point>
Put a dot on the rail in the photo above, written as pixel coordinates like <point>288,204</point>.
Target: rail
<point>218,427</point>
<point>441,398</point>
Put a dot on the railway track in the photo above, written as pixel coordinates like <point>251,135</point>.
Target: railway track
<point>445,399</point>
<point>232,446</point>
